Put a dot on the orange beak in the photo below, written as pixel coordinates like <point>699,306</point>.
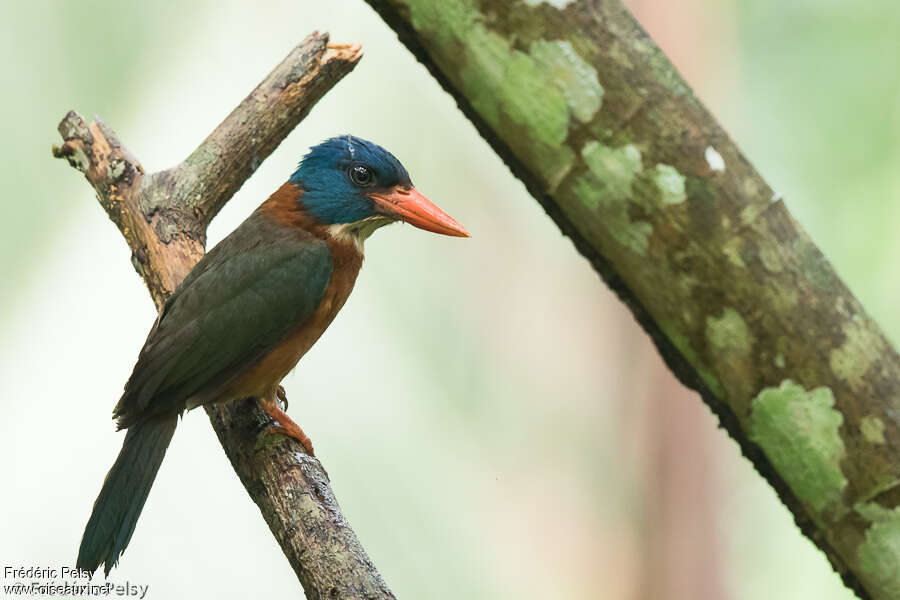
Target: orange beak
<point>407,204</point>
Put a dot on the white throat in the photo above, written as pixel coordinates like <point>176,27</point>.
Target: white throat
<point>357,232</point>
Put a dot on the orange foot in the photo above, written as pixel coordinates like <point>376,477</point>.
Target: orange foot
<point>286,425</point>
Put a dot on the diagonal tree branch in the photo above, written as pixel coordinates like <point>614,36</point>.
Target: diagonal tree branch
<point>163,217</point>
<point>587,111</point>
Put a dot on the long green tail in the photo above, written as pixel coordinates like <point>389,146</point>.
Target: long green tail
<point>125,489</point>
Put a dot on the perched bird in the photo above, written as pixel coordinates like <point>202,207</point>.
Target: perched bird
<point>248,311</point>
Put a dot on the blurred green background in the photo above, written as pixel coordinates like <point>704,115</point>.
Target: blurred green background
<point>494,423</point>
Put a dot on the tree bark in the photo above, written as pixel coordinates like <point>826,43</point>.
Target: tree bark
<point>593,118</point>
<point>163,217</point>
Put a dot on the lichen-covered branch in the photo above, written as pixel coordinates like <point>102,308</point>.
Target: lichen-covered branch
<point>588,112</point>
<point>163,217</point>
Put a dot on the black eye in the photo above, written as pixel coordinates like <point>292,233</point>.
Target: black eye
<point>361,175</point>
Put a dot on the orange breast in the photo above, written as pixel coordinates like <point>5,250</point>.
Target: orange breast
<point>264,377</point>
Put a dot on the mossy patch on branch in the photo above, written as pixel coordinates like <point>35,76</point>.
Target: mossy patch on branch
<point>531,96</point>
<point>615,168</point>
<point>860,350</point>
<point>670,184</point>
<point>574,76</point>
<point>607,188</point>
<point>617,182</point>
<point>729,332</point>
<point>872,429</point>
<point>879,553</point>
<point>798,431</point>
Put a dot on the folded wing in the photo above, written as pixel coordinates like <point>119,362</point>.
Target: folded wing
<point>238,302</point>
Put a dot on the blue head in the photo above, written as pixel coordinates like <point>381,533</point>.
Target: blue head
<point>348,180</point>
<point>337,175</point>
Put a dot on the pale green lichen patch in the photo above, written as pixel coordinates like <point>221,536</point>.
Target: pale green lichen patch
<point>634,235</point>
<point>798,431</point>
<point>779,360</point>
<point>531,97</point>
<point>872,429</point>
<point>616,168</point>
<point>729,332</point>
<point>542,113</point>
<point>770,258</point>
<point>861,348</point>
<point>575,78</point>
<point>879,553</point>
<point>528,101</point>
<point>669,182</point>
<point>608,189</point>
<point>874,512</point>
<point>750,212</point>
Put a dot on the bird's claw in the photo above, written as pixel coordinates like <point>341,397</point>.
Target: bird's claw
<point>281,396</point>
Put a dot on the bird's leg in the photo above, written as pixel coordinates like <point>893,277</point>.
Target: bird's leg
<point>285,425</point>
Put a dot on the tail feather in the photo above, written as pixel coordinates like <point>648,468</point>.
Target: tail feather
<point>124,492</point>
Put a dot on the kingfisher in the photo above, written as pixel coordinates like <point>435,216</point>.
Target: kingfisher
<point>248,311</point>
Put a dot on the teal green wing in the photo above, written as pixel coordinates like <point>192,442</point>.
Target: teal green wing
<point>234,307</point>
